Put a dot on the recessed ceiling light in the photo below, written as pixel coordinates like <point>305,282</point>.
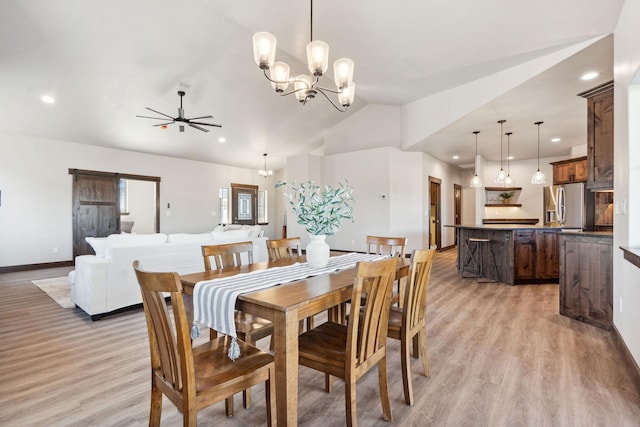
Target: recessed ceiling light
<point>47,99</point>
<point>510,158</point>
<point>556,139</point>
<point>590,75</point>
<point>222,140</point>
<point>456,157</point>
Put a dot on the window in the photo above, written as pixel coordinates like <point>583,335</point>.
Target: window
<point>263,217</point>
<point>124,196</point>
<point>225,214</point>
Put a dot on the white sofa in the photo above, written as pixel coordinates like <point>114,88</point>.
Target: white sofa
<point>106,282</point>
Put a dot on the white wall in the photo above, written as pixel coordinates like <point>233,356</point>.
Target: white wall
<point>141,197</point>
<point>35,215</point>
<point>626,277</point>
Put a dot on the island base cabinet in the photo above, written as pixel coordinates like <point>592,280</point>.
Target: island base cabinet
<point>586,277</point>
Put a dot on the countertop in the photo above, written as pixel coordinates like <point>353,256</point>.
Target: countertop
<point>507,227</point>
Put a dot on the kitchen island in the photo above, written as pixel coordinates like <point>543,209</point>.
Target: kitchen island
<point>522,253</point>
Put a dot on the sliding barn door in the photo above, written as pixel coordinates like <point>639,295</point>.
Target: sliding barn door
<point>96,209</point>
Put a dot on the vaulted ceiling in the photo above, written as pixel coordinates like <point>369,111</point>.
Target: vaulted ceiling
<point>470,62</point>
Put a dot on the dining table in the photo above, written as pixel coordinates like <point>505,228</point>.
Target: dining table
<point>285,305</point>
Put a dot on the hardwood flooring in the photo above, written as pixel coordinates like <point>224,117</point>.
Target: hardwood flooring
<point>500,356</point>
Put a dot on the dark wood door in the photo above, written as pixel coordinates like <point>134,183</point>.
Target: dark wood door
<point>435,228</point>
<point>457,206</point>
<point>96,209</point>
<point>244,209</point>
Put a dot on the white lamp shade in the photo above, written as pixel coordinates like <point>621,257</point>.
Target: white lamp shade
<point>264,49</point>
<point>475,182</point>
<point>343,72</point>
<point>347,95</point>
<point>538,178</point>
<point>280,73</point>
<point>501,177</point>
<point>301,84</point>
<point>318,57</point>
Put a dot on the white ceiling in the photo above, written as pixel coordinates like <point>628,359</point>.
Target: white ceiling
<point>104,62</point>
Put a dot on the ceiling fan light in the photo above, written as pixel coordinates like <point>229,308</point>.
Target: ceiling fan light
<point>317,57</point>
<point>280,73</point>
<point>347,95</point>
<point>302,84</point>
<point>264,49</point>
<point>343,72</point>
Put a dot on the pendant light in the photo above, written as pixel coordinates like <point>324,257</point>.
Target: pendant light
<point>501,175</point>
<point>475,181</point>
<point>508,181</point>
<point>265,173</point>
<point>538,177</point>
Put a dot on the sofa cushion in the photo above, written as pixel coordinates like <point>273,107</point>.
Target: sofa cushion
<point>254,230</point>
<point>225,236</point>
<point>189,238</point>
<point>126,240</point>
<point>99,245</point>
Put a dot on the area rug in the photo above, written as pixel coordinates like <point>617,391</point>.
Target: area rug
<point>58,288</point>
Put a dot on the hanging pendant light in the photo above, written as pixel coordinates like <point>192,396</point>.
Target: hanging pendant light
<point>501,175</point>
<point>508,181</point>
<point>538,177</point>
<point>475,181</point>
<point>265,173</point>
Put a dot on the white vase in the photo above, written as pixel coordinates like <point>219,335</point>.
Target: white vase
<point>317,251</point>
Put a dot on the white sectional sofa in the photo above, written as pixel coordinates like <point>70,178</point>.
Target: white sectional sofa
<point>106,282</point>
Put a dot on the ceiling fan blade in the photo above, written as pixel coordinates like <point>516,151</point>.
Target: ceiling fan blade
<point>158,112</point>
<point>163,124</point>
<point>205,124</point>
<point>203,117</point>
<point>156,118</point>
<point>198,127</point>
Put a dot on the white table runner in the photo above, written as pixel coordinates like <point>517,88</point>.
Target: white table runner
<point>214,300</point>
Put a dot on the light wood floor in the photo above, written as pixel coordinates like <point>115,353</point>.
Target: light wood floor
<point>500,356</point>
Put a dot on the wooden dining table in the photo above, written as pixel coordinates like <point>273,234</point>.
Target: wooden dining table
<point>285,305</point>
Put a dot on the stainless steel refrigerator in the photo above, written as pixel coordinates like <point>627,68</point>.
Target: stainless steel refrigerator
<point>565,205</point>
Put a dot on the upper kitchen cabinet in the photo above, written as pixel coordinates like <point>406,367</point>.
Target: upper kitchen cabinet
<point>599,136</point>
<point>569,171</point>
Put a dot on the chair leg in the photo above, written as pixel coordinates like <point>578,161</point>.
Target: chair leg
<point>270,393</point>
<point>384,389</point>
<point>405,361</point>
<point>246,394</point>
<point>350,403</point>
<point>156,406</point>
<point>190,416</point>
<point>422,339</point>
<point>328,383</point>
<point>228,406</point>
<point>416,345</point>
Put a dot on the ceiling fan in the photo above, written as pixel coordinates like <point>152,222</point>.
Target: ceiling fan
<point>181,120</point>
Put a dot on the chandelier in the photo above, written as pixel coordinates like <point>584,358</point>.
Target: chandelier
<point>265,173</point>
<point>538,177</point>
<point>501,175</point>
<point>305,86</point>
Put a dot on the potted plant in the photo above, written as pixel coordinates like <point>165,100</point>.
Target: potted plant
<point>321,210</point>
<point>506,196</point>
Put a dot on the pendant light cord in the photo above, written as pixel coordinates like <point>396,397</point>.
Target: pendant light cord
<point>538,124</point>
<point>475,159</point>
<point>311,26</point>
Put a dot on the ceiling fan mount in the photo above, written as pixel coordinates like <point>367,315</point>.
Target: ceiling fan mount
<point>181,120</point>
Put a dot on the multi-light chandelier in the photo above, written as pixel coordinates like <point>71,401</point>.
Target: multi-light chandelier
<point>265,173</point>
<point>305,86</point>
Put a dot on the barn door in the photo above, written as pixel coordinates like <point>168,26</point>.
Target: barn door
<point>96,209</point>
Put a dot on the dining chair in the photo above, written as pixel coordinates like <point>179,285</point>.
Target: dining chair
<point>284,248</point>
<point>395,246</point>
<point>349,351</point>
<point>249,328</point>
<point>194,377</point>
<point>408,323</point>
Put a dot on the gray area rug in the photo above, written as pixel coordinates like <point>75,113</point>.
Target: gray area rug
<point>58,288</point>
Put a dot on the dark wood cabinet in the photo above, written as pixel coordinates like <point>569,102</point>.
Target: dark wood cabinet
<point>536,255</point>
<point>586,278</point>
<point>600,136</point>
<point>524,255</point>
<point>547,260</point>
<point>569,171</point>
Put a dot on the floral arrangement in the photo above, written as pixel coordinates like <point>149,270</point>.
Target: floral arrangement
<point>320,210</point>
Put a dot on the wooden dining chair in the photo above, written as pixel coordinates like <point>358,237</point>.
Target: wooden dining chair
<point>249,328</point>
<point>408,323</point>
<point>194,377</point>
<point>284,248</point>
<point>349,351</point>
<point>395,246</point>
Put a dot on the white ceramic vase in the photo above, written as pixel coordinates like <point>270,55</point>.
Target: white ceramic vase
<point>317,251</point>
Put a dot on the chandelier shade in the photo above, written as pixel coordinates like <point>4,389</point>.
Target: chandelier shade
<point>265,173</point>
<point>538,177</point>
<point>475,181</point>
<point>306,87</point>
<point>501,175</point>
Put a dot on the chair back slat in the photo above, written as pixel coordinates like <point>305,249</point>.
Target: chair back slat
<point>367,330</point>
<point>226,255</point>
<point>169,341</point>
<point>284,248</point>
<point>395,246</point>
<point>415,302</point>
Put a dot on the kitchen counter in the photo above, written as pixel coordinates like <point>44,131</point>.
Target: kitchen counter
<point>513,227</point>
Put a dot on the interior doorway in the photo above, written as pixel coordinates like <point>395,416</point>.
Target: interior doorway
<point>244,206</point>
<point>435,232</point>
<point>457,208</point>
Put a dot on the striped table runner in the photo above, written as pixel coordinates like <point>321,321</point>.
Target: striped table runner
<point>214,300</point>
